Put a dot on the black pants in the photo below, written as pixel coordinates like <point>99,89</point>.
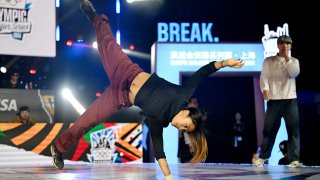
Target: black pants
<point>276,109</point>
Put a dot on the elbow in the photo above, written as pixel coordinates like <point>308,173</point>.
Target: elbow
<point>159,156</point>
<point>294,74</point>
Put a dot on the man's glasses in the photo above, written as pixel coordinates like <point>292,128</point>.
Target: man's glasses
<point>15,74</point>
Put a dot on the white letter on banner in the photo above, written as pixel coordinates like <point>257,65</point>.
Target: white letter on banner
<point>174,31</point>
<point>13,105</point>
<point>195,33</point>
<point>7,16</point>
<point>4,105</point>
<point>15,15</point>
<point>24,16</point>
<point>185,32</point>
<point>206,32</point>
<point>1,14</point>
<point>162,32</point>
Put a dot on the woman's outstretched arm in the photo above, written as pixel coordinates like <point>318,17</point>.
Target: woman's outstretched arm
<point>165,168</point>
<point>210,68</point>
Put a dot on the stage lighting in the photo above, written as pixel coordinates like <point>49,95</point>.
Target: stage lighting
<point>118,36</point>
<point>67,94</point>
<point>98,94</point>
<point>33,71</point>
<point>58,33</point>
<point>95,45</point>
<point>79,38</point>
<point>69,43</point>
<point>3,69</point>
<point>132,47</point>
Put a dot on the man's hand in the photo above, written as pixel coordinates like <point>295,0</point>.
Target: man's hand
<point>266,95</point>
<point>285,55</point>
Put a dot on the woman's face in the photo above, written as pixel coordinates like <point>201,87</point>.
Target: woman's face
<point>184,124</point>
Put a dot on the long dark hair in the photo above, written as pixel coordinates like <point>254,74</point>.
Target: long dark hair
<point>198,139</point>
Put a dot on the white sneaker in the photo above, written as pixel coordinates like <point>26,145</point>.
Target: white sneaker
<point>295,164</point>
<point>260,162</point>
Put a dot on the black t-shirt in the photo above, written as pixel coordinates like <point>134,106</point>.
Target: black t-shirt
<point>162,100</point>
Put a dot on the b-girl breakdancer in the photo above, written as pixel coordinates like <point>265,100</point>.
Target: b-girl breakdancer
<point>163,101</point>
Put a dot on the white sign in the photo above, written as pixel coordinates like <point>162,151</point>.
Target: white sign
<point>184,32</point>
<point>27,28</point>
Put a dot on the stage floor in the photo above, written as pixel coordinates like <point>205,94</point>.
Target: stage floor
<point>152,171</point>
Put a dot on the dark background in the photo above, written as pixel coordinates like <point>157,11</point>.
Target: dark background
<point>221,98</point>
<point>234,21</point>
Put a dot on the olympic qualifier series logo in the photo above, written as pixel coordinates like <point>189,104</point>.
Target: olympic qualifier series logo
<point>102,146</point>
<point>14,18</point>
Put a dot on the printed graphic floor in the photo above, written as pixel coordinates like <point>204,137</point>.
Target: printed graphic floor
<point>152,171</point>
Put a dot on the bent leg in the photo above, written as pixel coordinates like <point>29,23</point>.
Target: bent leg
<point>105,106</point>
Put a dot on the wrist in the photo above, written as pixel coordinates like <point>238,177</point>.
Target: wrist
<point>169,177</point>
<point>222,64</point>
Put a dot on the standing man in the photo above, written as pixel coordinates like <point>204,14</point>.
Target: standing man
<point>278,85</point>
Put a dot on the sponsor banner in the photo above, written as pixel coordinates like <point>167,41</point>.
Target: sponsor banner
<point>105,143</point>
<point>40,102</point>
<point>27,28</point>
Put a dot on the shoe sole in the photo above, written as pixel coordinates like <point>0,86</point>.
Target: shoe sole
<point>52,153</point>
